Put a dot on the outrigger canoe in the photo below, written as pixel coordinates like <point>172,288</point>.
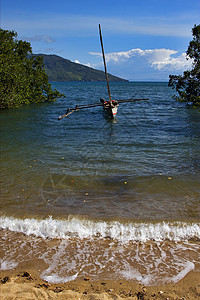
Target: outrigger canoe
<point>110,106</point>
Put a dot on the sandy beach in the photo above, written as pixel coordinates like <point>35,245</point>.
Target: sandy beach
<point>24,283</point>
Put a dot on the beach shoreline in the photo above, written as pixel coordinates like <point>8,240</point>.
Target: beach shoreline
<point>24,282</point>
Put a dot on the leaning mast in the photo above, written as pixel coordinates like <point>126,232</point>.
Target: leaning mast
<point>104,60</point>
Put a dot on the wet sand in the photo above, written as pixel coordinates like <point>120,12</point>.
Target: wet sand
<point>24,283</point>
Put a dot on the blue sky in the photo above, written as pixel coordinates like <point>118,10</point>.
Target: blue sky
<point>143,40</point>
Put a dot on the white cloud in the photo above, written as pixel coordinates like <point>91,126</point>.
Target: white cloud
<point>87,64</point>
<point>38,38</point>
<point>47,50</point>
<point>149,64</point>
<point>171,63</point>
<point>158,59</point>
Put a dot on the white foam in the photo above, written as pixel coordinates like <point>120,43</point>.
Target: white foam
<point>131,273</point>
<point>7,265</point>
<point>189,266</point>
<point>55,278</point>
<point>85,228</point>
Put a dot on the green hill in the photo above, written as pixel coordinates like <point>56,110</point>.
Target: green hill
<point>61,69</point>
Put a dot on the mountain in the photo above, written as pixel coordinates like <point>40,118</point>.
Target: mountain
<point>61,69</point>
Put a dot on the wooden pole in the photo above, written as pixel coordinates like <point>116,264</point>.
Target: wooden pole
<point>131,100</point>
<point>104,60</point>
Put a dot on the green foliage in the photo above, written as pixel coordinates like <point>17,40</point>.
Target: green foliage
<point>22,77</point>
<point>60,69</point>
<point>188,85</point>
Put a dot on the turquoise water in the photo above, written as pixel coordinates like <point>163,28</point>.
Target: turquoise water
<point>145,164</point>
<point>135,178</point>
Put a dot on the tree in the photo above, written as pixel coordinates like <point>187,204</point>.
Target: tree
<point>188,85</point>
<point>22,76</point>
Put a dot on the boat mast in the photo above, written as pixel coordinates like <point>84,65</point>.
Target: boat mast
<point>104,60</point>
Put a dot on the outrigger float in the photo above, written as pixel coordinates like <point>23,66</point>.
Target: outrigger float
<point>110,106</point>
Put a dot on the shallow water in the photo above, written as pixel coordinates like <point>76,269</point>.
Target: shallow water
<point>130,185</point>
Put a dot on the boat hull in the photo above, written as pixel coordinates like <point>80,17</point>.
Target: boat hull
<point>110,109</point>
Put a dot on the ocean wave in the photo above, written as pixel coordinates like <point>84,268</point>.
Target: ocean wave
<point>74,227</point>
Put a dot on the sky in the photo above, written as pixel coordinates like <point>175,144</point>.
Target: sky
<point>143,40</point>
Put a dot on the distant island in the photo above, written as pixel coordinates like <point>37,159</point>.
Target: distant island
<point>61,69</point>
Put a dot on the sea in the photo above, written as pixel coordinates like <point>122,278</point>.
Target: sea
<point>93,197</point>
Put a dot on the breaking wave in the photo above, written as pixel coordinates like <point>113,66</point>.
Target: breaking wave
<point>75,227</point>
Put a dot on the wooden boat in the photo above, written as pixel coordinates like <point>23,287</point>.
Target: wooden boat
<point>110,109</point>
<point>110,106</point>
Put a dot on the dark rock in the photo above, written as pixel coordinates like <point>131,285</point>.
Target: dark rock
<point>87,279</point>
<point>58,290</point>
<point>140,296</point>
<point>45,285</point>
<point>27,275</point>
<point>5,279</point>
